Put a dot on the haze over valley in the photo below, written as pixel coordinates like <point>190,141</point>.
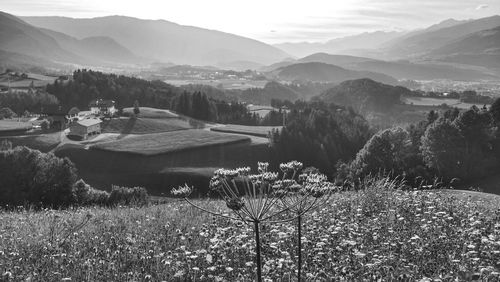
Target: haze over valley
<point>249,141</point>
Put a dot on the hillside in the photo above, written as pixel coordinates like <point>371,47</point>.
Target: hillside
<point>165,41</point>
<point>427,41</point>
<point>322,72</point>
<point>484,41</point>
<point>19,37</point>
<point>97,49</point>
<point>396,69</point>
<point>343,45</point>
<point>365,95</point>
<point>272,90</point>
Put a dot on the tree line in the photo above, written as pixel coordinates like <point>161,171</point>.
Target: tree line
<point>451,146</point>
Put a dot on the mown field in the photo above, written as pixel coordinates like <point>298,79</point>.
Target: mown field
<point>141,125</point>
<point>168,142</point>
<point>427,101</point>
<point>14,125</point>
<point>42,142</point>
<point>371,235</point>
<point>259,131</point>
<point>146,112</point>
<point>15,82</point>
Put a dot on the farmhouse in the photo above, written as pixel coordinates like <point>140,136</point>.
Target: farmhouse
<point>102,107</point>
<point>85,128</point>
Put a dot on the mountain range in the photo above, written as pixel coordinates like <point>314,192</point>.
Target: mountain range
<point>164,41</point>
<point>118,40</point>
<point>451,49</point>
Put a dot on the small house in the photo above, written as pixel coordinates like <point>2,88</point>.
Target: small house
<point>73,114</point>
<point>85,128</point>
<point>102,107</point>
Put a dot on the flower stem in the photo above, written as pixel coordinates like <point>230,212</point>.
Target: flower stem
<point>299,247</point>
<point>257,251</point>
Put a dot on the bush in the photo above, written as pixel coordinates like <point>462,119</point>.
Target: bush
<point>6,113</point>
<point>30,176</point>
<point>85,195</point>
<point>128,196</point>
<point>45,125</point>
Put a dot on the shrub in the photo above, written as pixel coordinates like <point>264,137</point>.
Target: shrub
<point>86,195</point>
<point>6,113</point>
<point>128,196</point>
<point>5,145</point>
<point>30,176</point>
<point>45,125</point>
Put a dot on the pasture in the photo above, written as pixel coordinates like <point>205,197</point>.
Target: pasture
<point>14,125</point>
<point>168,142</point>
<point>141,125</point>
<point>259,131</point>
<point>17,82</point>
<point>146,112</point>
<point>42,142</point>
<point>426,101</point>
<point>240,84</point>
<point>371,235</point>
<point>260,110</point>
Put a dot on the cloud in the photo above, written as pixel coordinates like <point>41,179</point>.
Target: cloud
<point>482,6</point>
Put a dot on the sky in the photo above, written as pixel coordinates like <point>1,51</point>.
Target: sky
<point>271,21</point>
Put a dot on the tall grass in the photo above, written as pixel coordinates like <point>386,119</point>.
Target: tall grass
<point>376,233</point>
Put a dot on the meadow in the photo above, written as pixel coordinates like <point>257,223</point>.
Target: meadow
<point>225,83</point>
<point>141,125</point>
<point>14,125</point>
<point>377,234</point>
<point>259,131</point>
<point>427,101</point>
<point>168,142</point>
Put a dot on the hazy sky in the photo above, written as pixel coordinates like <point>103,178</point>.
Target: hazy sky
<point>271,21</point>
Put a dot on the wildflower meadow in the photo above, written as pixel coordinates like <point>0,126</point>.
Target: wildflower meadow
<point>379,233</point>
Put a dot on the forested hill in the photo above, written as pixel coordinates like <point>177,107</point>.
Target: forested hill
<point>87,85</point>
<point>365,95</point>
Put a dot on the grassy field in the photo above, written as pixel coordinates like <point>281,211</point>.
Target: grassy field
<point>372,235</point>
<point>14,125</point>
<point>426,101</point>
<point>144,125</point>
<point>146,112</point>
<point>259,131</point>
<point>226,83</point>
<point>17,82</point>
<point>42,142</point>
<point>262,111</point>
<point>168,142</point>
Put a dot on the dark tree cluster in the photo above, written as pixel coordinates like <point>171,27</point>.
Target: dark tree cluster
<point>199,106</point>
<point>451,145</point>
<point>88,85</point>
<point>21,101</point>
<point>29,176</point>
<point>320,135</point>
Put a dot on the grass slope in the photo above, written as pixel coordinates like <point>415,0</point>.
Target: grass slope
<point>259,131</point>
<point>42,142</point>
<point>167,142</point>
<point>14,125</point>
<point>143,125</point>
<point>370,235</point>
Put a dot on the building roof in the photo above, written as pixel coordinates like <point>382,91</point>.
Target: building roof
<point>101,103</point>
<point>89,122</point>
<point>73,111</point>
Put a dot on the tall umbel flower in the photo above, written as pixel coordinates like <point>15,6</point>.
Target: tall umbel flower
<point>303,193</point>
<point>259,198</point>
